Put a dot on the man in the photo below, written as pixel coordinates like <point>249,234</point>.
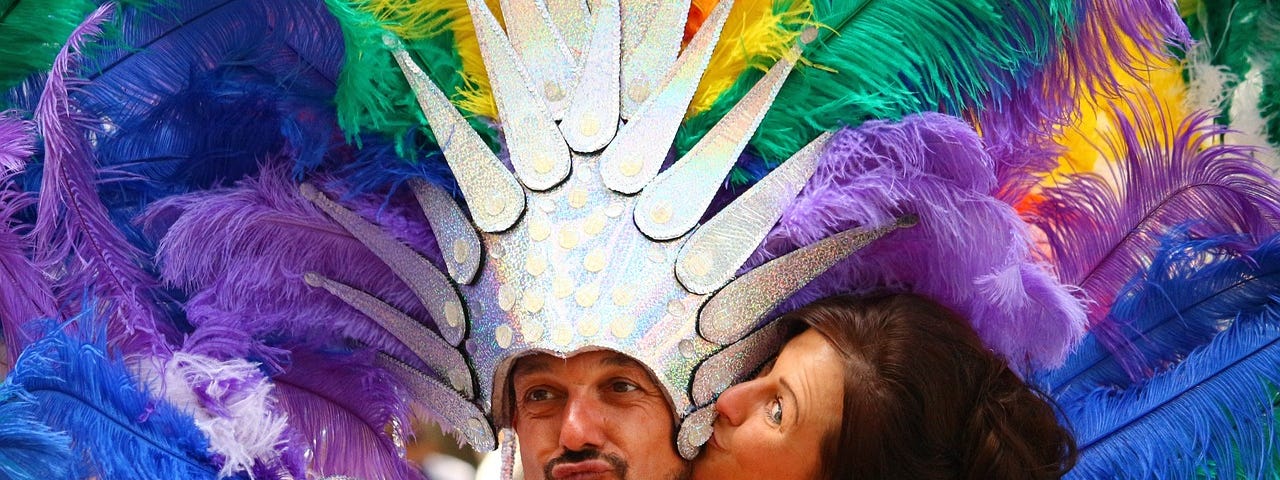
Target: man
<point>594,415</point>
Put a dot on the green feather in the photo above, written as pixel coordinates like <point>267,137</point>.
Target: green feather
<point>374,97</point>
<point>1243,35</point>
<point>33,32</point>
<point>888,58</point>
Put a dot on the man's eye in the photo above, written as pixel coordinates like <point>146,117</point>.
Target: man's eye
<point>539,395</point>
<point>774,413</point>
<point>623,387</point>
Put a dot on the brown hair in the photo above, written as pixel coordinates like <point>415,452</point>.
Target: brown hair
<point>924,399</point>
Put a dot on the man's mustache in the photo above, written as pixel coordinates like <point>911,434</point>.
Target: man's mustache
<point>574,456</point>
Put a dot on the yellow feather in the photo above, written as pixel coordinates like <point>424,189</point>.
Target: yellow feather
<point>419,20</point>
<point>754,36</point>
<point>1153,86</point>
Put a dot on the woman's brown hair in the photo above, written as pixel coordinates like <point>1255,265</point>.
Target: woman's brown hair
<point>925,399</point>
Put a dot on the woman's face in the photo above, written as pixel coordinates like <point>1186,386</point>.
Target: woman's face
<point>773,425</point>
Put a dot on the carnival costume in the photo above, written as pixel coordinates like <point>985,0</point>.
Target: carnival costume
<point>252,238</point>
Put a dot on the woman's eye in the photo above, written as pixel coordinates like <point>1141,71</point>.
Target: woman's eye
<point>623,387</point>
<point>775,411</point>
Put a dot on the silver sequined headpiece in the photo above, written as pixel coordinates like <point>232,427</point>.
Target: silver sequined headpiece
<point>588,245</point>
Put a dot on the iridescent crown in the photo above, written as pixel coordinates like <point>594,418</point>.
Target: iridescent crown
<point>588,245</point>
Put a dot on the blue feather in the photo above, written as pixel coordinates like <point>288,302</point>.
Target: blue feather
<point>117,429</point>
<point>29,449</point>
<point>200,93</point>
<point>1193,289</point>
<point>1213,409</point>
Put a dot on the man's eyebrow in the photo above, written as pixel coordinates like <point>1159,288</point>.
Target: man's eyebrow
<point>620,360</point>
<point>528,365</point>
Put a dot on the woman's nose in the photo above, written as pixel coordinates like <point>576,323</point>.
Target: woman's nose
<point>734,404</point>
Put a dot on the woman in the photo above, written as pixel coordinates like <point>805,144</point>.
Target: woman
<point>891,386</point>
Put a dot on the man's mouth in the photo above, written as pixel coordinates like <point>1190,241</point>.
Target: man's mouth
<point>584,470</point>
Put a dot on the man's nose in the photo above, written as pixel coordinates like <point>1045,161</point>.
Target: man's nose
<point>584,424</point>
<point>736,402</point>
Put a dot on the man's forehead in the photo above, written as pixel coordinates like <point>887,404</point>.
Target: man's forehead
<point>543,362</point>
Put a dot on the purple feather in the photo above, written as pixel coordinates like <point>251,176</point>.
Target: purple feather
<point>17,141</point>
<point>1102,235</point>
<point>242,252</point>
<point>25,295</point>
<point>969,251</point>
<point>1018,128</point>
<point>344,404</point>
<point>73,226</point>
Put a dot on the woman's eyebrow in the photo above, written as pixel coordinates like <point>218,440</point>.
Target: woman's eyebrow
<point>795,400</point>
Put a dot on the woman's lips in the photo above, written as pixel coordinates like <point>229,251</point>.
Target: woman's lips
<point>581,470</point>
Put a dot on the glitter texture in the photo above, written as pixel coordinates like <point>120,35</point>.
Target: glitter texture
<point>651,35</point>
<point>716,251</point>
<point>695,431</point>
<point>455,413</point>
<point>635,156</point>
<point>481,176</point>
<point>430,285</point>
<point>545,53</point>
<point>531,133</point>
<point>694,179</point>
<point>447,221</point>
<point>592,118</point>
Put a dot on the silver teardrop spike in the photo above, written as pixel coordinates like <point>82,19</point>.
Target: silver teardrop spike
<point>716,251</point>
<point>696,177</point>
<point>592,119</point>
<point>744,304</point>
<point>454,413</point>
<point>736,363</point>
<point>547,57</point>
<point>459,243</point>
<point>427,283</point>
<point>538,152</point>
<point>695,430</point>
<point>443,358</point>
<point>634,157</point>
<point>651,34</point>
<point>573,18</point>
<point>492,193</point>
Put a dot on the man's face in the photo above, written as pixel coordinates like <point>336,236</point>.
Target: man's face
<point>595,415</point>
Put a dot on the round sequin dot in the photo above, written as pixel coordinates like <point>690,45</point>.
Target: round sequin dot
<point>533,302</point>
<point>562,335</point>
<point>587,295</point>
<point>623,296</point>
<point>594,261</point>
<point>547,205</point>
<point>622,327</point>
<point>495,205</point>
<point>542,163</point>
<point>506,297</point>
<point>809,35</point>
<point>595,223</point>
<point>656,255</point>
<point>687,348</point>
<point>661,212</point>
<point>697,264</point>
<point>630,167</point>
<point>676,308</point>
<point>497,250</point>
<point>539,229</point>
<point>459,380</point>
<point>562,286</point>
<point>614,209</point>
<point>535,264</point>
<point>569,239</point>
<point>532,332</point>
<point>503,335</point>
<point>590,125</point>
<point>453,314</point>
<point>552,91</point>
<point>471,346</point>
<point>461,251</point>
<point>577,197</point>
<point>588,327</point>
<point>638,91</point>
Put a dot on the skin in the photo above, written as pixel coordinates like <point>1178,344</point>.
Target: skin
<point>772,426</point>
<point>595,415</point>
